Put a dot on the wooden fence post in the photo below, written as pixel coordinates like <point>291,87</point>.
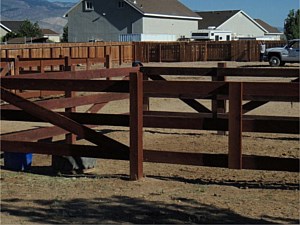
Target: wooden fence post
<point>235,125</point>
<point>68,64</point>
<point>146,100</point>
<point>70,138</point>
<point>219,106</point>
<point>17,65</point>
<point>121,54</point>
<point>108,61</point>
<point>136,126</point>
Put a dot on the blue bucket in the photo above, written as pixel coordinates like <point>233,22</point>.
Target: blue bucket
<point>17,161</point>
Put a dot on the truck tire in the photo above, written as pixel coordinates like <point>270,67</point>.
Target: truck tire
<point>275,61</point>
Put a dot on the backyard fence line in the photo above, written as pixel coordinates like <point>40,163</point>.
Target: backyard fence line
<point>125,52</point>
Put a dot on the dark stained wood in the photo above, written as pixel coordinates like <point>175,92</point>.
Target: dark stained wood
<point>235,126</point>
<point>76,101</point>
<point>62,150</point>
<point>63,122</point>
<point>66,85</point>
<point>190,102</point>
<point>136,126</point>
<point>91,74</point>
<point>174,120</point>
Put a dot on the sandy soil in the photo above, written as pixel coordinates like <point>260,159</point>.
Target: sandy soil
<point>168,193</point>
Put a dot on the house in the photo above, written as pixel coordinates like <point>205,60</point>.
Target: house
<point>27,40</point>
<point>241,25</point>
<point>14,26</point>
<point>211,34</point>
<point>272,32</point>
<point>51,35</point>
<point>127,19</point>
<point>9,26</point>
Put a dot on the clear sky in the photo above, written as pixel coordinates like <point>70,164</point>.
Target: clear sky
<point>274,12</point>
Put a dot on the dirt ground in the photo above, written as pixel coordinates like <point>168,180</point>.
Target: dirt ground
<point>168,193</point>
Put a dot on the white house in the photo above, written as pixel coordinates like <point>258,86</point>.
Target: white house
<point>51,35</point>
<point>241,25</point>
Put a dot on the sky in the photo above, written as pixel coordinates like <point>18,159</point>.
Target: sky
<point>273,12</point>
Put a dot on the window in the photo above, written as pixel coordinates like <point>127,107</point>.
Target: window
<point>227,37</point>
<point>121,4</point>
<point>200,34</point>
<point>89,6</point>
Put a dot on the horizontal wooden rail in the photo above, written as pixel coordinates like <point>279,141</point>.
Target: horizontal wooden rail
<point>66,85</point>
<point>76,101</point>
<point>265,124</point>
<point>240,72</point>
<point>196,159</point>
<point>91,74</point>
<point>62,150</point>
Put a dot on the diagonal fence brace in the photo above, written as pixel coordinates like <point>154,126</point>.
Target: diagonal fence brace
<point>63,122</point>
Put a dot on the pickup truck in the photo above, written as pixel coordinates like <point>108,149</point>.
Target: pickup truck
<point>282,55</point>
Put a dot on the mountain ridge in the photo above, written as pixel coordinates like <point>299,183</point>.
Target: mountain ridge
<point>47,14</point>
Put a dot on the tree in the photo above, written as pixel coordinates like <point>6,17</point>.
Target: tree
<point>27,29</point>
<point>65,35</point>
<point>291,25</point>
<point>8,36</point>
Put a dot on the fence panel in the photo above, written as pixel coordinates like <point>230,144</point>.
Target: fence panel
<point>247,50</point>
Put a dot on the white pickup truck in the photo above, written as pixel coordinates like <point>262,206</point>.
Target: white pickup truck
<point>282,55</point>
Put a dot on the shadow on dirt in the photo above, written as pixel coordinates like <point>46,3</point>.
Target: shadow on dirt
<point>246,184</point>
<point>121,209</point>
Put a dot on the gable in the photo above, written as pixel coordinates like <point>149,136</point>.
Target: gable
<point>157,8</point>
<point>11,26</point>
<point>268,27</point>
<point>215,18</point>
<point>163,8</point>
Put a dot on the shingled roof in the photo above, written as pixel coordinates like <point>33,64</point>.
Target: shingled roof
<point>215,18</point>
<point>268,27</point>
<point>158,8</point>
<point>165,8</point>
<point>12,26</point>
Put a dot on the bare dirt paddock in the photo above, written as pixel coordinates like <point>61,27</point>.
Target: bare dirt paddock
<point>168,193</point>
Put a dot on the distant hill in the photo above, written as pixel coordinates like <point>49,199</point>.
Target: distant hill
<point>47,14</point>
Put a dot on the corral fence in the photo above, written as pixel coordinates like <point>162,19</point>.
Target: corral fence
<point>144,84</point>
<point>125,52</point>
<point>17,66</point>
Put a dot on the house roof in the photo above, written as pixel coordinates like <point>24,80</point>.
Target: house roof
<point>11,26</point>
<point>164,8</point>
<point>215,18</point>
<point>48,32</point>
<point>268,27</point>
<point>23,40</point>
<point>158,8</point>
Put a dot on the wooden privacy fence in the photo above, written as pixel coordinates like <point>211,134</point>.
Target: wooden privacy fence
<point>140,90</point>
<point>200,51</point>
<point>126,52</point>
<point>120,52</point>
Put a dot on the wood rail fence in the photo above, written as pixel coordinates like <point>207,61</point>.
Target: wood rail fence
<point>16,66</point>
<point>125,52</point>
<point>140,89</point>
